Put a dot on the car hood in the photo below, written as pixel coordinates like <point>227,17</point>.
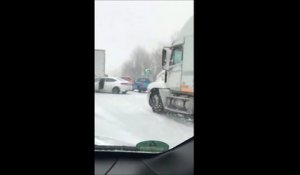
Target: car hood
<point>101,140</point>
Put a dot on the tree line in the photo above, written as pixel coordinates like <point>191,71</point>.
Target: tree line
<point>140,60</point>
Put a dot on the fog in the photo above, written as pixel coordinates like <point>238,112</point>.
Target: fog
<point>121,26</point>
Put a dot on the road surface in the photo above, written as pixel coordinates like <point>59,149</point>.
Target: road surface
<point>127,119</point>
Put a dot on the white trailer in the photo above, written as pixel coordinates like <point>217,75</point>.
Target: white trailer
<point>99,63</point>
<point>177,93</point>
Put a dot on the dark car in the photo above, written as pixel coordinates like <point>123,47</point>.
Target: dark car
<point>141,84</point>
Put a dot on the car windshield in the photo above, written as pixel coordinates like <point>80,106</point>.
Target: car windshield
<point>144,115</point>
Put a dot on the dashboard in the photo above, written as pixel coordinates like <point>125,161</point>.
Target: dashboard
<point>177,161</point>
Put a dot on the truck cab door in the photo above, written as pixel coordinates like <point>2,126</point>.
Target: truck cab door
<point>175,68</point>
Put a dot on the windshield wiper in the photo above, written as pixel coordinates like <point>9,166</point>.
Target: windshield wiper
<point>102,148</point>
<point>115,148</point>
<point>148,146</point>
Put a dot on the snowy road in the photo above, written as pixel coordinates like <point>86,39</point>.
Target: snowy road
<point>127,119</point>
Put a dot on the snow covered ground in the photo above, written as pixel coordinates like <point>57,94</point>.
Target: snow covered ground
<point>127,119</point>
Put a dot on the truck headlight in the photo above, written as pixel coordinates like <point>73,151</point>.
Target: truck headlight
<point>179,103</point>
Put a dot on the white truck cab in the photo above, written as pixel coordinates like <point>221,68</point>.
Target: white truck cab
<point>177,92</point>
<point>158,83</point>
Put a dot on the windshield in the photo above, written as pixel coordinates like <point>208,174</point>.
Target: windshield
<point>144,115</point>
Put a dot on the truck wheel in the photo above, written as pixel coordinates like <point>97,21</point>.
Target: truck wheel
<point>156,102</point>
<point>115,90</point>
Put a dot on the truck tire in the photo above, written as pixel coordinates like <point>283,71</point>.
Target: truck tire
<point>115,90</point>
<point>156,102</point>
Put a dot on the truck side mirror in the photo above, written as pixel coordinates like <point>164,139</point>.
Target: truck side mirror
<point>166,58</point>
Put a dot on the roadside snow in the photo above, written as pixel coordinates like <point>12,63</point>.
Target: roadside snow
<point>127,119</point>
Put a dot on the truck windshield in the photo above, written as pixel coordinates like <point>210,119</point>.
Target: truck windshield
<point>176,55</point>
<point>133,111</point>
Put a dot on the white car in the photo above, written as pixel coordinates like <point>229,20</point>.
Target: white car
<point>112,85</point>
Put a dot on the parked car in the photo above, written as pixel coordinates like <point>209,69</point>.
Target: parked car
<point>129,79</point>
<point>114,85</point>
<point>141,84</point>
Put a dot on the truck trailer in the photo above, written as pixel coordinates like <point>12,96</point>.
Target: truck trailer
<point>99,63</point>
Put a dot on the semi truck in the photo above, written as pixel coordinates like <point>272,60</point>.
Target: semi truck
<point>176,94</point>
<point>99,63</point>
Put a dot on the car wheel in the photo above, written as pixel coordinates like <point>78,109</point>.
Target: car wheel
<point>124,92</point>
<point>115,90</point>
<point>156,102</point>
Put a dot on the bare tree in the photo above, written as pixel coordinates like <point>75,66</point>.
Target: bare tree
<point>156,59</point>
<point>138,62</point>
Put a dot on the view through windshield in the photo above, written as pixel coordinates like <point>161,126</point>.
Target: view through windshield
<point>151,44</point>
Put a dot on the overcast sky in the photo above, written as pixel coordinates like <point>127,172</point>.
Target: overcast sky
<point>121,26</point>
